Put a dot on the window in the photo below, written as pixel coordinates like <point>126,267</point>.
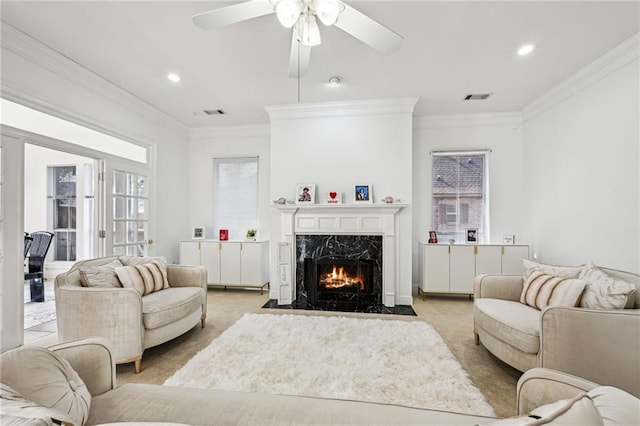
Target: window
<point>62,208</point>
<point>235,195</point>
<point>460,194</point>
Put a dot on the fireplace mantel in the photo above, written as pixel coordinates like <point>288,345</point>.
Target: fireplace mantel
<point>345,219</point>
<point>395,207</point>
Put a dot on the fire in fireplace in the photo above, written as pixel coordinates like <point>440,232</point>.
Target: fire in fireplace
<point>339,278</point>
<point>339,283</point>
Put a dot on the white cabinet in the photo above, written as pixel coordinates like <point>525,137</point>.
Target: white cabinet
<point>231,258</point>
<point>461,269</point>
<point>452,268</point>
<point>229,263</point>
<point>512,258</point>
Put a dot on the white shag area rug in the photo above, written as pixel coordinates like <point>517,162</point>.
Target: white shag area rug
<point>38,313</point>
<point>384,361</point>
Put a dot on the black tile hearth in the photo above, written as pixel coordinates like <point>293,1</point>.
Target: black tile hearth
<point>380,309</point>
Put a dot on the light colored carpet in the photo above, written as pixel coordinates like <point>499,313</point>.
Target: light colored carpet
<point>37,313</point>
<point>336,357</point>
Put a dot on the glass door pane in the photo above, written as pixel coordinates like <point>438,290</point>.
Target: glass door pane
<point>62,204</point>
<point>130,213</point>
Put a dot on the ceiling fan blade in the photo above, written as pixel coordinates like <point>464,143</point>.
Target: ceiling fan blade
<point>299,59</point>
<point>367,30</point>
<point>228,15</point>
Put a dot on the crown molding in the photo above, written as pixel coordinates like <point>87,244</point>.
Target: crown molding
<point>249,131</point>
<point>342,108</point>
<point>498,119</point>
<point>38,53</point>
<point>623,54</point>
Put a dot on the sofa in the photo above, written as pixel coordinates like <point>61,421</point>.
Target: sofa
<point>76,384</point>
<point>136,303</point>
<point>594,333</point>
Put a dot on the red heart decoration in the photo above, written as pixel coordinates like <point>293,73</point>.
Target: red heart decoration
<point>333,194</point>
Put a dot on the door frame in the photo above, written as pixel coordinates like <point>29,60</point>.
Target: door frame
<point>12,330</point>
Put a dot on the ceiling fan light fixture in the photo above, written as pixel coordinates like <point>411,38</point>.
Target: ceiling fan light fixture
<point>327,11</point>
<point>288,12</point>
<point>308,31</point>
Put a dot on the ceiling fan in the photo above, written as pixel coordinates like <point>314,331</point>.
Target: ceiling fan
<point>302,16</point>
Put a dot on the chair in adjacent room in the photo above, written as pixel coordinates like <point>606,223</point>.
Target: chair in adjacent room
<point>35,254</point>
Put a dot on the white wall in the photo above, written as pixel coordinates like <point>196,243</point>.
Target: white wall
<point>581,145</point>
<point>500,133</point>
<point>207,143</point>
<point>338,145</point>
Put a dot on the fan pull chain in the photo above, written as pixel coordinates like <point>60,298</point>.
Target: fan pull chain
<point>298,72</point>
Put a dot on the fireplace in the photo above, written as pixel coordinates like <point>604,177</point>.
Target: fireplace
<point>339,272</point>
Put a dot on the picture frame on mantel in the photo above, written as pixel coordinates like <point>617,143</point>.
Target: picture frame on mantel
<point>306,193</point>
<point>334,197</point>
<point>363,193</point>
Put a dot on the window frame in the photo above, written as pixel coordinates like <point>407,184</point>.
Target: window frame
<point>459,205</point>
<point>237,227</point>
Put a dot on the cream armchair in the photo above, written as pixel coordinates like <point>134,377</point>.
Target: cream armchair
<point>131,322</point>
<point>598,345</point>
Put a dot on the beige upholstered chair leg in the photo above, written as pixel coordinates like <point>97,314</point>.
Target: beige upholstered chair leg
<point>476,338</point>
<point>202,320</point>
<point>138,365</point>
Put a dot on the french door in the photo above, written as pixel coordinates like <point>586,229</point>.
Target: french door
<point>124,194</point>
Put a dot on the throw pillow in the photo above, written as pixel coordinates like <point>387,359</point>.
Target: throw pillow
<point>47,379</point>
<point>579,410</point>
<point>18,410</point>
<point>541,290</point>
<point>145,278</point>
<point>530,266</point>
<point>605,292</point>
<point>135,260</point>
<point>100,276</point>
<point>615,405</point>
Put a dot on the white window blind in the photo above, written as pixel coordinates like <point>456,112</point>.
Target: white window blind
<point>235,195</point>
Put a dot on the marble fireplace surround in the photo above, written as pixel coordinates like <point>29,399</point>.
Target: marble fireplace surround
<point>345,250</point>
<point>343,219</point>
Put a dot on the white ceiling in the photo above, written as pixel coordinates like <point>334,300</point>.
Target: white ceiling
<point>450,49</point>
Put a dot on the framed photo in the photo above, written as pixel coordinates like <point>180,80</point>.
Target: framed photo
<point>306,193</point>
<point>472,235</point>
<point>198,233</point>
<point>334,197</point>
<point>509,239</point>
<point>433,237</point>
<point>362,193</point>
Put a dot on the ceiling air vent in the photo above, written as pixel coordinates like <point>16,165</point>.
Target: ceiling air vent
<point>214,112</point>
<point>477,97</point>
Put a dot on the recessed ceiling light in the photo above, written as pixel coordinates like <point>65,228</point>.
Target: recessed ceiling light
<point>526,49</point>
<point>335,81</point>
<point>173,77</point>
